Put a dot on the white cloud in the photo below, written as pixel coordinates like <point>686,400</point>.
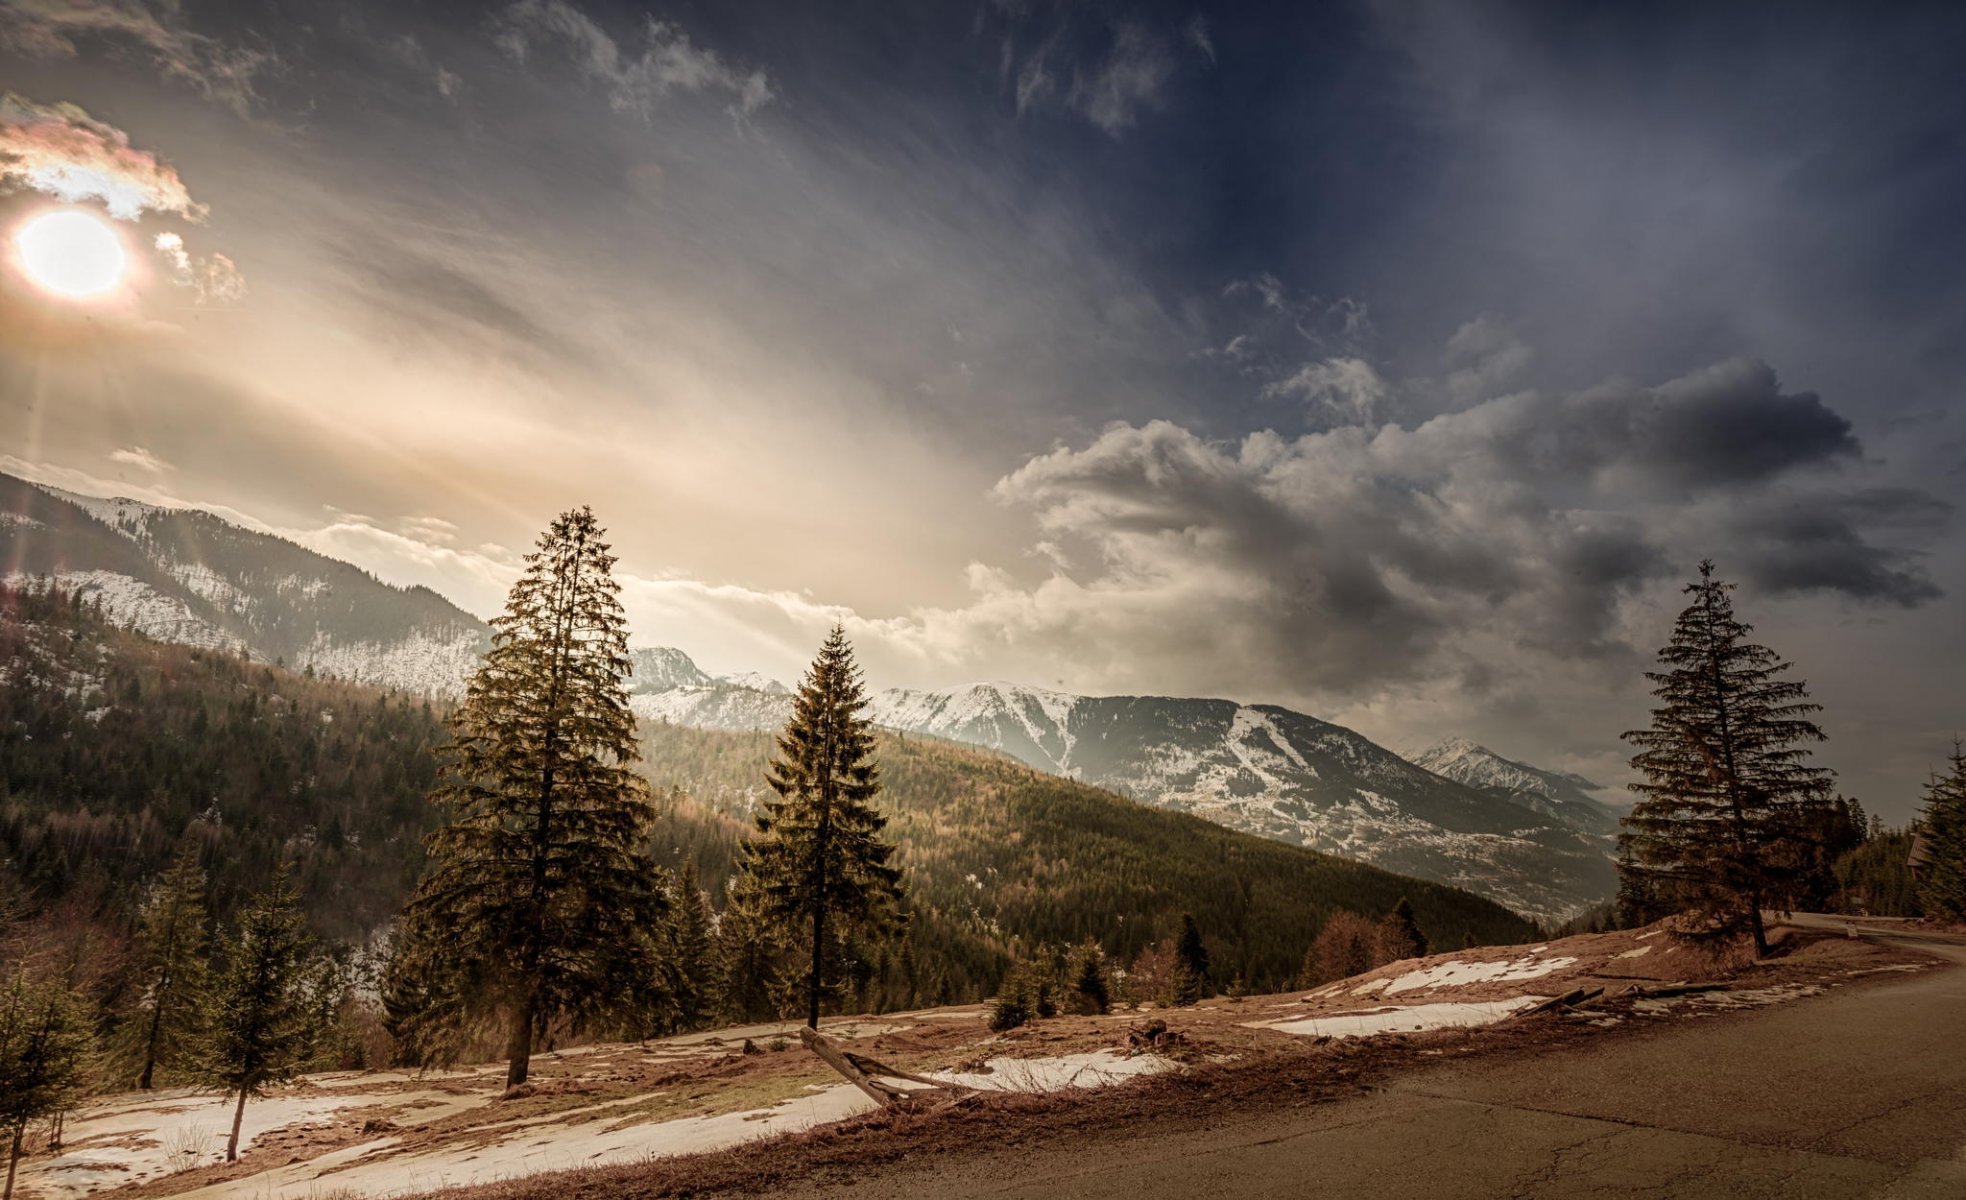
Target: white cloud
<point>141,459</point>
<point>61,151</point>
<point>669,61</point>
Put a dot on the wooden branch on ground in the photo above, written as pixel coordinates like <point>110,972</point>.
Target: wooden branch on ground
<point>870,1076</point>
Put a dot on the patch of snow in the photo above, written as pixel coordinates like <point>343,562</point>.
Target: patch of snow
<point>1641,952</point>
<point>132,1139</point>
<point>1455,973</point>
<point>1366,989</point>
<point>1412,1018</point>
<point>1100,1068</point>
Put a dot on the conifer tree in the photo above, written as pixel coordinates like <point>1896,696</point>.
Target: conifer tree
<point>1942,878</point>
<point>265,1002</point>
<point>749,948</point>
<point>1724,817</point>
<point>1190,963</point>
<point>1399,934</point>
<point>1092,985</point>
<point>818,859</point>
<point>171,942</point>
<point>538,883</point>
<point>692,952</point>
<point>44,1050</point>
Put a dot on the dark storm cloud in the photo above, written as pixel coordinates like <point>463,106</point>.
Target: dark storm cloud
<point>1368,556</point>
<point>1826,543</point>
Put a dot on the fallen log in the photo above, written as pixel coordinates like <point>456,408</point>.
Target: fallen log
<point>870,1076</point>
<point>1569,999</point>
<point>1679,989</point>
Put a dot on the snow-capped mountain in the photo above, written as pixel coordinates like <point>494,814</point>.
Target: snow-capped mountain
<point>186,576</point>
<point>1564,796</point>
<point>1256,768</point>
<point>1525,837</point>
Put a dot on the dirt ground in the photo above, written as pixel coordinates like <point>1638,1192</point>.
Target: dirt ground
<point>698,1112</point>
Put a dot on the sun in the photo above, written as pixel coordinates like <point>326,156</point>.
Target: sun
<point>72,253</point>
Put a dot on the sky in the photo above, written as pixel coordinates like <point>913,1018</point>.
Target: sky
<point>1394,362</point>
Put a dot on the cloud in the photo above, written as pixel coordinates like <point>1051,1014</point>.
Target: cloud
<point>1353,561</point>
<point>1112,91</point>
<point>224,72</point>
<point>61,151</point>
<point>1107,72</point>
<point>141,459</point>
<point>1348,390</point>
<point>669,61</point>
<point>214,280</point>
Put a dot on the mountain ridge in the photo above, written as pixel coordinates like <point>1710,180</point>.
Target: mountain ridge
<point>1509,831</point>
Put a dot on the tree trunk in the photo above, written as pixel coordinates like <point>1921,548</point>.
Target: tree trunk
<point>156,1032</point>
<point>238,1119</point>
<point>13,1160</point>
<point>1760,933</point>
<point>518,1050</point>
<point>818,950</point>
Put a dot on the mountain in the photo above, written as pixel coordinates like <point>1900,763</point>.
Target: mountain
<point>186,576</point>
<point>1561,795</point>
<point>1256,768</point>
<point>190,577</point>
<point>115,747</point>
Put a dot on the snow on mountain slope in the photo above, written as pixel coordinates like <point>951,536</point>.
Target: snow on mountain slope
<point>1557,794</point>
<point>1257,768</point>
<point>662,669</point>
<point>1507,831</point>
<point>186,576</point>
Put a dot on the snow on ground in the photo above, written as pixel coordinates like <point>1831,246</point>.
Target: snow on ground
<point>138,1138</point>
<point>605,1137</point>
<point>1100,1068</point>
<point>1410,1018</point>
<point>369,1169</point>
<point>1456,973</point>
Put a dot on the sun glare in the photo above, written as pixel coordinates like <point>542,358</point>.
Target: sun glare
<point>72,253</point>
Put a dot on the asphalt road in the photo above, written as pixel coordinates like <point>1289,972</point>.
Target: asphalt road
<point>1859,1092</point>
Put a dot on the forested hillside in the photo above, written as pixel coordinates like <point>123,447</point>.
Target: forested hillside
<point>114,748</point>
<point>996,850</point>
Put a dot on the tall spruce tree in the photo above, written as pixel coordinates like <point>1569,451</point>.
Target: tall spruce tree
<point>538,883</point>
<point>818,859</point>
<point>692,952</point>
<point>1728,804</point>
<point>1942,877</point>
<point>171,941</point>
<point>1190,964</point>
<point>749,948</point>
<point>44,1051</point>
<point>265,1016</point>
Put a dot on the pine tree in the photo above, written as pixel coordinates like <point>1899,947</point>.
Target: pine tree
<point>749,948</point>
<point>265,1002</point>
<point>1190,964</point>
<point>172,945</point>
<point>1942,878</point>
<point>537,882</point>
<point>692,952</point>
<point>1092,985</point>
<point>44,1050</point>
<point>818,857</point>
<point>1399,934</point>
<point>1724,817</point>
<point>1635,905</point>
